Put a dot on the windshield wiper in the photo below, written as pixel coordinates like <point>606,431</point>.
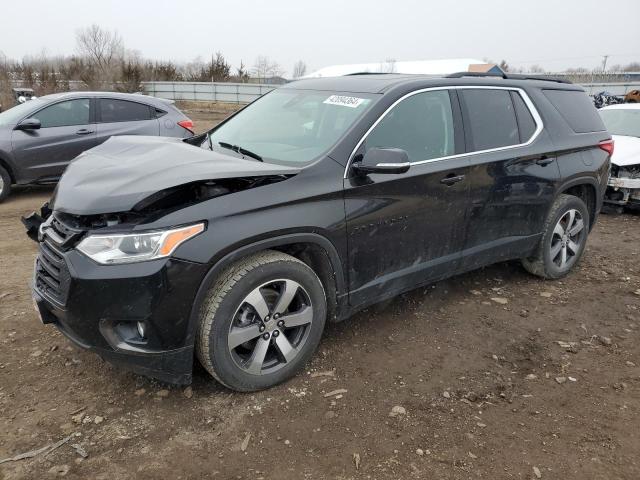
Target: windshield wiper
<point>209,141</point>
<point>240,150</point>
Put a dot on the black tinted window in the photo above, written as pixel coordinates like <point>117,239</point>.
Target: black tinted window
<point>71,112</point>
<point>422,125</point>
<point>526,123</point>
<point>112,110</point>
<point>490,119</point>
<point>577,110</point>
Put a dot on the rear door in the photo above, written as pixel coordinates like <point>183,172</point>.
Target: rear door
<point>123,117</point>
<point>512,176</point>
<point>407,229</point>
<point>67,130</point>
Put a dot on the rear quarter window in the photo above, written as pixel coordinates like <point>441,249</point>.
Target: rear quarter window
<point>577,110</point>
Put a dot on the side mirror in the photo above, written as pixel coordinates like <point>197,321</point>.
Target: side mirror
<point>29,124</point>
<point>383,160</point>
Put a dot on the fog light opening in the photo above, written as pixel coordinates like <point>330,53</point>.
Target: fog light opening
<point>141,329</point>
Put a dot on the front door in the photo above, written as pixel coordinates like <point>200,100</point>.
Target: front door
<point>407,229</point>
<point>66,131</point>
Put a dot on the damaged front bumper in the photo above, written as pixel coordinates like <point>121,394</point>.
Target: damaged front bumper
<point>134,315</point>
<point>622,191</point>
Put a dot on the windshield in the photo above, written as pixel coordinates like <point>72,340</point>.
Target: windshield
<point>290,125</point>
<point>13,115</point>
<point>622,121</point>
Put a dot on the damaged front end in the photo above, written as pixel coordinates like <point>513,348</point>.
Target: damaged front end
<point>624,186</point>
<point>33,221</point>
<point>150,208</point>
<point>136,312</point>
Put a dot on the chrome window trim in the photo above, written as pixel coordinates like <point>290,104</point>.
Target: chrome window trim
<point>532,109</point>
<point>403,164</point>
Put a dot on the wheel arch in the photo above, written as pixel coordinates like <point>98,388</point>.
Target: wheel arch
<point>314,250</point>
<point>7,166</point>
<point>586,189</point>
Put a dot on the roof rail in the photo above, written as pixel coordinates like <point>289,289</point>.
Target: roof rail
<point>367,73</point>
<point>508,76</point>
<point>476,74</point>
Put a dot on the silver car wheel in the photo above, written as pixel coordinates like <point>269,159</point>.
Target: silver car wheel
<point>567,239</point>
<point>270,327</point>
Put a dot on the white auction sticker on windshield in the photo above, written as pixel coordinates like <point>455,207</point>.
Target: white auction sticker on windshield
<point>344,101</point>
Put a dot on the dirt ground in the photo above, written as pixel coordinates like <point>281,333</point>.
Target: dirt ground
<point>499,375</point>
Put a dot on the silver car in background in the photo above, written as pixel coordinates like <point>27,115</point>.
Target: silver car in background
<point>39,138</point>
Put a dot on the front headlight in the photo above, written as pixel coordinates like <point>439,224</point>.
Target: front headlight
<point>136,247</point>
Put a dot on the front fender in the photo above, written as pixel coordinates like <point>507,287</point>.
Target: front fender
<point>248,248</point>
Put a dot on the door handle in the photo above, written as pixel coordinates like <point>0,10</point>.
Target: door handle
<point>452,179</point>
<point>84,131</point>
<point>543,161</point>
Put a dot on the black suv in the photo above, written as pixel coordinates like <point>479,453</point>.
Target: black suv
<point>317,200</point>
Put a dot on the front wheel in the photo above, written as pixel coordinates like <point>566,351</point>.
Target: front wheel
<point>563,241</point>
<point>261,321</point>
<point>5,184</point>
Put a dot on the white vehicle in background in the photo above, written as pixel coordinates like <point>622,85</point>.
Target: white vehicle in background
<point>623,122</point>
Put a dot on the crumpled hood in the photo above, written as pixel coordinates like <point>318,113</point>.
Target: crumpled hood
<point>117,175</point>
<point>626,151</point>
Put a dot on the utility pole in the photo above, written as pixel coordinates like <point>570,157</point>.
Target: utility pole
<point>604,63</point>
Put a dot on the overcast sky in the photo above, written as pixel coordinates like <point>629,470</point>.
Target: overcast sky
<point>556,34</point>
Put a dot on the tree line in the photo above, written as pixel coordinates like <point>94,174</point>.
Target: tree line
<point>101,62</point>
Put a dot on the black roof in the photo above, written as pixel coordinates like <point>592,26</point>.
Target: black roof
<point>380,83</point>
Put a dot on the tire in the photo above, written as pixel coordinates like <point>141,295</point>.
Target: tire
<point>561,245</point>
<point>247,303</point>
<point>5,184</point>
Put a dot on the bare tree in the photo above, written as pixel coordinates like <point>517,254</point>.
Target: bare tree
<point>102,48</point>
<point>192,69</point>
<point>241,73</point>
<point>299,69</point>
<point>264,67</point>
<point>504,66</point>
<point>631,67</point>
<point>388,66</point>
<point>536,69</point>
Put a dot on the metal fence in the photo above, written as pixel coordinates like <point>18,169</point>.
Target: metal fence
<point>207,91</point>
<point>613,88</point>
<point>248,92</point>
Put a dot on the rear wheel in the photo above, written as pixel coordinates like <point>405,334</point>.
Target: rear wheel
<point>564,239</point>
<point>261,321</point>
<point>5,183</point>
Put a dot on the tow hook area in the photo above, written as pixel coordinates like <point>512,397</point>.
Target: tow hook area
<point>33,221</point>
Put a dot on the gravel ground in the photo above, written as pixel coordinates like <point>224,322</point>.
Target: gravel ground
<point>494,374</point>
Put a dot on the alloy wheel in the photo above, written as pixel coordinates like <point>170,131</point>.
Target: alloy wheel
<point>566,241</point>
<point>270,327</point>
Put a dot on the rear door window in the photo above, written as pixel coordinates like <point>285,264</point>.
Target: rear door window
<point>490,119</point>
<point>577,110</point>
<point>113,110</point>
<point>71,112</point>
<point>421,124</point>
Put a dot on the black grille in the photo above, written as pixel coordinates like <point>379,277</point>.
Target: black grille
<point>52,275</point>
